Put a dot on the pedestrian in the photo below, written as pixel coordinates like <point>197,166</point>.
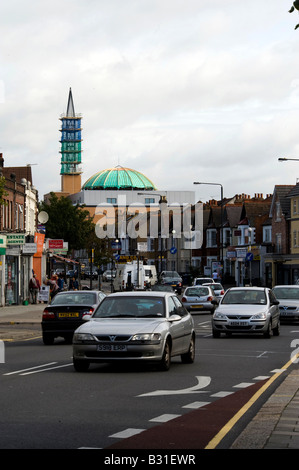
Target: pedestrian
<point>34,288</point>
<point>215,276</point>
<point>54,289</point>
<point>60,283</point>
<point>74,284</point>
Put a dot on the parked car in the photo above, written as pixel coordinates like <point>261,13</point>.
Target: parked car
<point>108,275</point>
<point>288,297</point>
<point>199,298</point>
<point>217,288</point>
<point>199,281</point>
<point>136,326</point>
<point>172,278</point>
<point>247,310</point>
<point>65,312</point>
<point>88,273</point>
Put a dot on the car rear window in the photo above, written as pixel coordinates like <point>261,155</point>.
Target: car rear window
<point>74,298</point>
<point>197,291</point>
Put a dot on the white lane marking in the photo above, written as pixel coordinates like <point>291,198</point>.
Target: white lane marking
<point>30,368</point>
<point>127,433</point>
<point>222,394</point>
<point>243,385</point>
<point>202,383</point>
<point>45,370</point>
<point>196,404</point>
<point>164,418</point>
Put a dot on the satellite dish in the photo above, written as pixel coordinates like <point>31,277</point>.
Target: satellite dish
<point>43,217</point>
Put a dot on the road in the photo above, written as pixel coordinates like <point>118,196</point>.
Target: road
<point>47,405</point>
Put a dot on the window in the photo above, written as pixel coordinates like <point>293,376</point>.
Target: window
<point>295,238</point>
<point>111,200</point>
<point>278,211</point>
<point>278,243</point>
<point>149,200</point>
<point>211,237</point>
<point>294,206</point>
<point>267,234</point>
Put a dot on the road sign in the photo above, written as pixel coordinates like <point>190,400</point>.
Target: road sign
<point>117,257</point>
<point>173,250</point>
<point>249,256</point>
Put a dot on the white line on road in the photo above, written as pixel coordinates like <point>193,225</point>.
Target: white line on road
<point>30,368</point>
<point>45,370</point>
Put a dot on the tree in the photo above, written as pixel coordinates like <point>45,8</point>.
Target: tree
<point>69,222</point>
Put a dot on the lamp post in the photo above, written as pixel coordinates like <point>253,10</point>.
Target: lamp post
<point>221,215</point>
<point>283,159</point>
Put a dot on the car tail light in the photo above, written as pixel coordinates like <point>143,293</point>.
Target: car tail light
<point>222,292</point>
<point>184,299</point>
<point>209,299</point>
<point>88,311</point>
<point>48,315</point>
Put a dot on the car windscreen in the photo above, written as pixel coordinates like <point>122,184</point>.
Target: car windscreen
<point>86,298</point>
<point>286,293</point>
<point>140,307</point>
<point>245,296</point>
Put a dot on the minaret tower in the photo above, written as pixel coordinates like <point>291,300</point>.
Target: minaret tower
<point>70,149</point>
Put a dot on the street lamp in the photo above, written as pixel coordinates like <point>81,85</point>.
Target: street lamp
<point>221,214</point>
<point>283,159</point>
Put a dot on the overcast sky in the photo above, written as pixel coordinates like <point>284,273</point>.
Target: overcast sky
<point>180,90</point>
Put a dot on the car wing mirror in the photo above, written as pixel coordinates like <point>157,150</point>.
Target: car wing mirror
<point>174,317</point>
<point>87,316</point>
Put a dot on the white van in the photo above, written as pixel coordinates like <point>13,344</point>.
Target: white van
<point>150,274</point>
<point>127,277</point>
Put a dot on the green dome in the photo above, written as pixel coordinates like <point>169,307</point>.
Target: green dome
<point>118,178</point>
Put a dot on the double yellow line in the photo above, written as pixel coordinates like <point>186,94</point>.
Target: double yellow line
<point>231,423</point>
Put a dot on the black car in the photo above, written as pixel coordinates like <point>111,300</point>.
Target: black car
<point>172,278</point>
<point>64,314</point>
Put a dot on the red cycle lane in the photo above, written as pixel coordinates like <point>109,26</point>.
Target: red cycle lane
<point>193,430</point>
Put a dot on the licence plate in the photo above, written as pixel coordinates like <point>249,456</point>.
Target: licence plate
<point>239,323</point>
<point>112,347</point>
<point>197,306</point>
<point>68,315</point>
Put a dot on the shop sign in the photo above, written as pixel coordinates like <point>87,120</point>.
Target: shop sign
<point>55,244</point>
<point>16,239</point>
<point>241,253</point>
<point>29,248</point>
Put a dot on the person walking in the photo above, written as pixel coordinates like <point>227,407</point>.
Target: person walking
<point>34,288</point>
<point>74,284</point>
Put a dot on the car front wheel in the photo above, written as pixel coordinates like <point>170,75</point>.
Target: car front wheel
<point>80,366</point>
<point>188,358</point>
<point>164,364</point>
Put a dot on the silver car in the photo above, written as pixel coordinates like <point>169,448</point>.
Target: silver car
<point>199,298</point>
<point>288,297</point>
<point>135,326</point>
<point>247,310</point>
<point>217,288</point>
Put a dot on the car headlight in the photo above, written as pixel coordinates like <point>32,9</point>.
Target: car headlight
<point>219,316</point>
<point>147,337</point>
<point>82,338</point>
<point>259,316</point>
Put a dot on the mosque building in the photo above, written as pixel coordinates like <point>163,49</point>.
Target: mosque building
<point>118,187</point>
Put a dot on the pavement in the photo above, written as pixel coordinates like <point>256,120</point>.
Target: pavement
<point>275,426</point>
